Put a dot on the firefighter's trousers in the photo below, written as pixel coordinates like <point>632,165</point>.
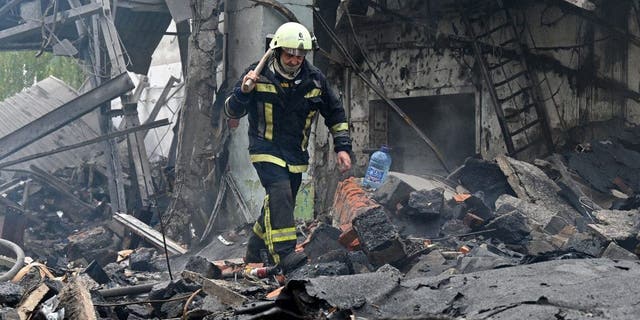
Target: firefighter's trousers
<point>275,229</point>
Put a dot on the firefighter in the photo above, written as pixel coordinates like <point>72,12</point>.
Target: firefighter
<point>282,102</point>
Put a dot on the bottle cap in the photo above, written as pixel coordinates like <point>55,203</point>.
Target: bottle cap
<point>385,148</point>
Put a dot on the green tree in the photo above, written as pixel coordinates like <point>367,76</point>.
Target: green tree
<point>21,69</point>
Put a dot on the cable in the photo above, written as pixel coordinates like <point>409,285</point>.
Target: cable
<point>45,43</point>
<point>355,38</point>
<point>19,259</point>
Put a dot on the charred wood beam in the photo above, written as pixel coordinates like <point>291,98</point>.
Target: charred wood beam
<point>75,298</point>
<point>217,288</point>
<point>80,25</point>
<point>13,185</point>
<point>138,154</point>
<point>30,301</point>
<point>105,137</point>
<point>64,115</point>
<point>111,40</point>
<point>132,98</point>
<point>7,7</point>
<point>151,235</point>
<point>33,26</point>
<point>61,186</point>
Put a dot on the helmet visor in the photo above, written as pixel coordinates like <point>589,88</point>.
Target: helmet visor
<point>296,52</point>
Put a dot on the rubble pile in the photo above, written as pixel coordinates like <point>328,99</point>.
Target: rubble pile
<point>495,239</point>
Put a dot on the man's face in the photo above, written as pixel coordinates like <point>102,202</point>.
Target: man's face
<point>291,60</point>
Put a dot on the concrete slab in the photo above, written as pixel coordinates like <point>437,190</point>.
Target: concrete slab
<point>569,289</point>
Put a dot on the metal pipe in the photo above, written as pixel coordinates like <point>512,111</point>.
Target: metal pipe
<point>125,291</point>
<point>19,259</point>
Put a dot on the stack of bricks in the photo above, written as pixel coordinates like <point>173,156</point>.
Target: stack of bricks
<point>349,202</point>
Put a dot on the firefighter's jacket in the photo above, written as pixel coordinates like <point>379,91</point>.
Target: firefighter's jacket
<point>281,112</point>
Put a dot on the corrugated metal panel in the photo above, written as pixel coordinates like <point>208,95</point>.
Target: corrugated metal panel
<point>31,104</point>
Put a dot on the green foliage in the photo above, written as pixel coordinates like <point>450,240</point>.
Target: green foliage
<point>21,69</point>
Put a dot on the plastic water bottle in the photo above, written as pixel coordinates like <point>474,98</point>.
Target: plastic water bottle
<point>378,168</point>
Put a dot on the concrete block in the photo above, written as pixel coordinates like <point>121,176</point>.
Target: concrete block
<point>425,203</point>
<point>539,243</point>
<point>428,265</point>
<point>141,259</point>
<point>454,226</point>
<point>392,192</point>
<point>476,205</point>
<point>617,225</point>
<point>555,225</point>
<point>616,252</point>
<point>333,268</point>
<point>512,228</point>
<point>204,267</point>
<point>378,237</point>
<point>323,239</point>
<point>585,243</point>
<point>10,293</point>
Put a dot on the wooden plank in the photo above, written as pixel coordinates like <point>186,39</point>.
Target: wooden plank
<point>151,235</point>
<point>63,115</point>
<point>76,300</point>
<point>112,40</point>
<point>16,32</point>
<point>80,24</point>
<point>64,189</point>
<point>138,153</point>
<point>217,288</point>
<point>25,309</point>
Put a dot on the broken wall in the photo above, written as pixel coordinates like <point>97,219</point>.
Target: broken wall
<point>585,70</point>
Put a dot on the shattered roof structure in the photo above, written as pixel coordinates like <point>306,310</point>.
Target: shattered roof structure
<point>140,24</point>
<point>34,102</point>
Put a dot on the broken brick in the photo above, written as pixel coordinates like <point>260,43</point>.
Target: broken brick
<point>350,200</point>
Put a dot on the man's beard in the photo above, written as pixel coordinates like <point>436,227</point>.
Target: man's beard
<point>285,70</point>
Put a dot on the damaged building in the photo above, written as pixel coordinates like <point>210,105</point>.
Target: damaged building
<point>513,191</point>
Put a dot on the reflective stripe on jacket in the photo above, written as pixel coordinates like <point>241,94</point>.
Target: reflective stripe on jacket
<point>280,119</point>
